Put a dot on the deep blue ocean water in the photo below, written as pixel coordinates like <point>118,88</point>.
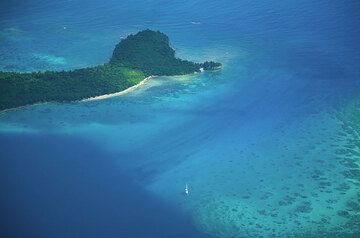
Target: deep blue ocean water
<point>269,145</point>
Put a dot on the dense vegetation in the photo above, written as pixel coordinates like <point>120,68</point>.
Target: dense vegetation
<point>150,52</point>
<point>17,89</point>
<point>210,65</point>
<point>140,55</point>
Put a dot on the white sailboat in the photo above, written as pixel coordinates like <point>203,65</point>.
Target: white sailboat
<point>186,189</point>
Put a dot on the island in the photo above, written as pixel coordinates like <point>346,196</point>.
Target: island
<point>134,59</point>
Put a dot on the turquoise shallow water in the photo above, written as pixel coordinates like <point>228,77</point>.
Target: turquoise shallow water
<point>269,146</point>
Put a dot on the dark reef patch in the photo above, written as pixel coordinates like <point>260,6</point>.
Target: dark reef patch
<point>304,207</point>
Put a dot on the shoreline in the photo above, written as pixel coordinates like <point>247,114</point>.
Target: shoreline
<point>21,107</point>
<point>125,91</point>
<point>100,97</point>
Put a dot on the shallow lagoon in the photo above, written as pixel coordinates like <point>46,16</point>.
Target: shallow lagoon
<point>269,145</point>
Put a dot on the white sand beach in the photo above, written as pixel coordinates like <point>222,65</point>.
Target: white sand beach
<point>105,96</point>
